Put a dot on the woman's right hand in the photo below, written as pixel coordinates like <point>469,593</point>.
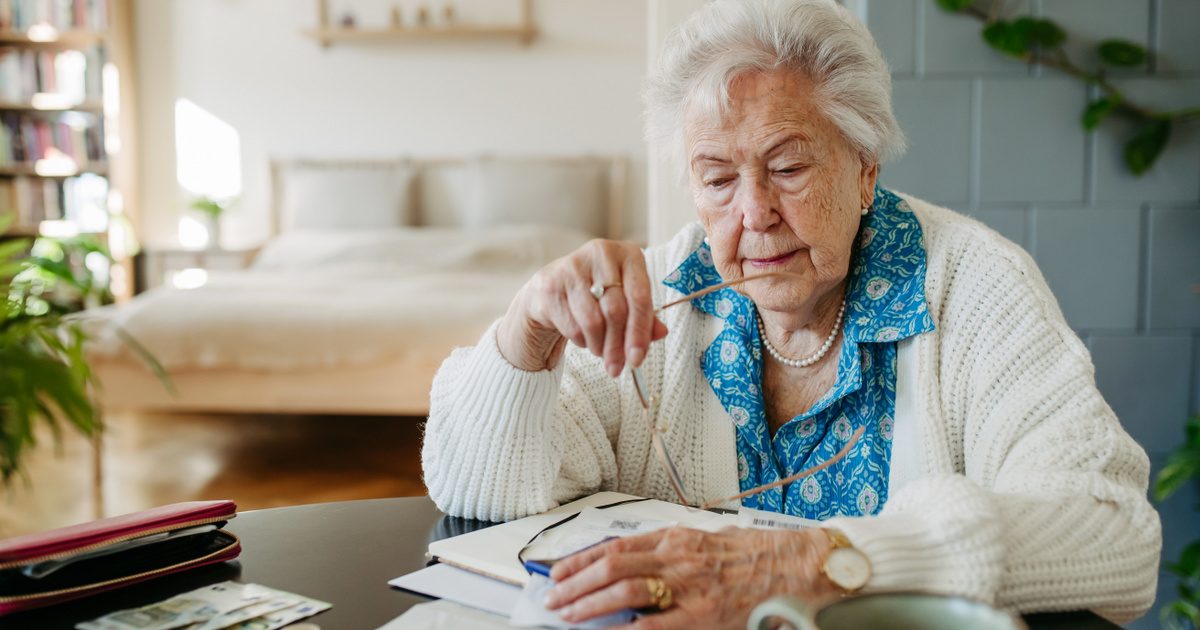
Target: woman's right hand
<point>557,305</point>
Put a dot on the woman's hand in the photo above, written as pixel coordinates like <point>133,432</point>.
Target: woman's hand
<point>557,304</point>
<point>716,579</point>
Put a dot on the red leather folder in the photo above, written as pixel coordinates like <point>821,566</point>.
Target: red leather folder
<point>71,562</point>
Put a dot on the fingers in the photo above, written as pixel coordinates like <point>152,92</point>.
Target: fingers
<point>660,330</point>
<point>631,592</point>
<point>586,315</point>
<point>603,585</point>
<point>640,326</point>
<point>572,564</point>
<point>618,326</point>
<point>616,313</point>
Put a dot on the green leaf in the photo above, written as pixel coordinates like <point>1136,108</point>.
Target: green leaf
<point>1041,32</point>
<point>1189,561</point>
<point>1192,431</point>
<point>1119,52</point>
<point>1182,466</point>
<point>954,5</point>
<point>9,249</point>
<point>1179,614</point>
<point>1096,111</point>
<point>1019,37</point>
<point>1144,148</point>
<point>6,221</point>
<point>1006,38</point>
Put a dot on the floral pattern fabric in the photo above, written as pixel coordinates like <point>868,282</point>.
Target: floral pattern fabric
<point>885,302</point>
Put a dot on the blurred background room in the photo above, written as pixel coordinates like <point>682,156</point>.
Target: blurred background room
<point>272,219</point>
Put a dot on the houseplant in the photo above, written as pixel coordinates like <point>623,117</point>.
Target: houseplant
<point>1183,467</point>
<point>212,208</point>
<point>44,374</point>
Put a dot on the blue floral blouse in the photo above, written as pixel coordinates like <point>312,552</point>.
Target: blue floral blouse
<point>885,303</point>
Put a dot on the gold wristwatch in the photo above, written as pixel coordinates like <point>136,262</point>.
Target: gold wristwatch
<point>846,567</point>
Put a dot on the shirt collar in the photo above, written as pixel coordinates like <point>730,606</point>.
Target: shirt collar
<point>886,289</point>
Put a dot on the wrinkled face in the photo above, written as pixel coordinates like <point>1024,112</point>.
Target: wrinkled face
<point>778,188</point>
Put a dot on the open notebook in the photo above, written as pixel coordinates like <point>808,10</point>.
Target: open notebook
<point>493,551</point>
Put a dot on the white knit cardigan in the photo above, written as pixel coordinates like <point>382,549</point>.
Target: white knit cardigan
<point>1026,491</point>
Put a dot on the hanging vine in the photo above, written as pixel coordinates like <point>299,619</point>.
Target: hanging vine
<point>1039,40</point>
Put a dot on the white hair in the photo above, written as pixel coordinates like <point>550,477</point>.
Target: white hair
<point>817,38</point>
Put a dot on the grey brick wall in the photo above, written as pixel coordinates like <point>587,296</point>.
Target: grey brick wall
<point>1000,140</point>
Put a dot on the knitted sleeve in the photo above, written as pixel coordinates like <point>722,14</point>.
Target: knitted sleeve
<point>1049,509</point>
<point>502,443</point>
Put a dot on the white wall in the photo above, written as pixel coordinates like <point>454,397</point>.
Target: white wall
<point>575,90</point>
<point>670,204</point>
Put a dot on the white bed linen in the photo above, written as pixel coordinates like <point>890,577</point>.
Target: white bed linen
<point>323,300</point>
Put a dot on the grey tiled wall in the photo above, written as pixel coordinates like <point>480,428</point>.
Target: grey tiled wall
<point>1001,141</point>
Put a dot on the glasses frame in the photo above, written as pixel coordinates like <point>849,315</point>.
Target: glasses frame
<point>650,403</point>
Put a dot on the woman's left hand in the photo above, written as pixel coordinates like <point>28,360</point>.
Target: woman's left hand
<point>715,579</point>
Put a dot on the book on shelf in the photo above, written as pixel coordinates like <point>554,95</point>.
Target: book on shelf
<point>27,138</point>
<point>19,15</point>
<point>81,200</point>
<point>69,76</point>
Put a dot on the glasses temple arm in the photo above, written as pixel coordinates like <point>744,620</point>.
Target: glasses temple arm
<point>717,287</point>
<point>800,475</point>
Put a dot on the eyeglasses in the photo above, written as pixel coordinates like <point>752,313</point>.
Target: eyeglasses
<point>650,402</point>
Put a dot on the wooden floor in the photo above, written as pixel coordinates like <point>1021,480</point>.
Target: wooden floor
<point>259,461</point>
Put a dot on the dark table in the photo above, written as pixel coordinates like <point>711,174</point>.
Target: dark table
<point>343,553</point>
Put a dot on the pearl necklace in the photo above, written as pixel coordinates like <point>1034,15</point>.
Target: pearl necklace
<point>799,363</point>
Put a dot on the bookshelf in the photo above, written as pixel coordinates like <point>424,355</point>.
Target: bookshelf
<point>328,33</point>
<point>66,164</point>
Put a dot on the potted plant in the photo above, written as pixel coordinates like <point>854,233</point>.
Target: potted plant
<point>44,374</point>
<point>1183,467</point>
<point>212,208</point>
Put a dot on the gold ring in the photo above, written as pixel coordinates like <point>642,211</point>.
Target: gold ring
<point>660,594</point>
<point>598,289</point>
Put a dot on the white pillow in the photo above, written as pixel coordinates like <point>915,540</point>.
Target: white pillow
<point>425,250</point>
<point>446,188</point>
<point>345,195</point>
<point>506,192</point>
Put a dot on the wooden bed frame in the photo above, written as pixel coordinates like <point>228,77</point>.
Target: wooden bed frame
<point>395,387</point>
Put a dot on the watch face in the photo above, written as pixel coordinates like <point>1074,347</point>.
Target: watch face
<point>848,568</point>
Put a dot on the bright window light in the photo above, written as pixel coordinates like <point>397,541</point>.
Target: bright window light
<point>207,152</point>
<point>55,164</point>
<point>98,264</point>
<point>58,229</point>
<point>193,234</point>
<point>190,278</point>
<point>42,32</point>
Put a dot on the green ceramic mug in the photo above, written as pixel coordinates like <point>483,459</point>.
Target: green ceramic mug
<point>883,611</point>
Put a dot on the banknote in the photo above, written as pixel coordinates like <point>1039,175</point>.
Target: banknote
<point>271,621</point>
<point>214,607</point>
<point>252,611</point>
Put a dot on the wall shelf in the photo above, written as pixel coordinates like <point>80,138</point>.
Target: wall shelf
<point>94,107</point>
<point>30,170</point>
<point>67,39</point>
<point>328,34</point>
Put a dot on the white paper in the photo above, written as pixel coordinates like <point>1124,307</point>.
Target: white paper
<point>445,615</point>
<point>751,518</point>
<point>493,551</point>
<point>448,582</point>
<point>591,527</point>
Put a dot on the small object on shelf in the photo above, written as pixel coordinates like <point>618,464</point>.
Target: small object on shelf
<point>448,14</point>
<point>423,15</point>
<point>347,20</point>
<point>397,17</point>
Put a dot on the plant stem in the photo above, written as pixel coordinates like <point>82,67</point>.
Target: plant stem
<point>1062,63</point>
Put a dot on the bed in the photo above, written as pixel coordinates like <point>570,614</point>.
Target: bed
<point>376,271</point>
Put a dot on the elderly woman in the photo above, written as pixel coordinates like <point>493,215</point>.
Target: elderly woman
<point>988,465</point>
